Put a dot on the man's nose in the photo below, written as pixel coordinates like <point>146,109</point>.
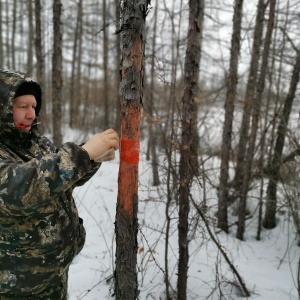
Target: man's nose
<point>30,113</point>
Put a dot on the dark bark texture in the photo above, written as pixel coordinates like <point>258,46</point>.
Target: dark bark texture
<point>1,37</point>
<point>132,47</point>
<point>271,204</point>
<point>250,94</point>
<point>256,107</point>
<point>229,111</point>
<point>57,75</point>
<point>189,117</point>
<point>40,61</point>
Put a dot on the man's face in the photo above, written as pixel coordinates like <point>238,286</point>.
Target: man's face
<point>24,112</point>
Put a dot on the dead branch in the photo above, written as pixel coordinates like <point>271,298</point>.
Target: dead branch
<point>232,267</point>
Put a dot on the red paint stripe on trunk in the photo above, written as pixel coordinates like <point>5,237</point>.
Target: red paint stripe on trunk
<point>130,151</point>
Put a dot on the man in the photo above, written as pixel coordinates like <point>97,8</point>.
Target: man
<point>40,231</point>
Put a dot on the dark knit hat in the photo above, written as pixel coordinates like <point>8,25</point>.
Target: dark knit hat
<point>27,88</point>
<point>31,88</point>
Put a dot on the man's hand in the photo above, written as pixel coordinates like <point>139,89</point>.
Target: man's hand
<point>100,143</point>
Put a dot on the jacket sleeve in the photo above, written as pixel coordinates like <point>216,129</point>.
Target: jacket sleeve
<point>27,186</point>
<point>94,168</point>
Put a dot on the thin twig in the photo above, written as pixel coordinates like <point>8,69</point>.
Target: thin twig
<point>234,270</point>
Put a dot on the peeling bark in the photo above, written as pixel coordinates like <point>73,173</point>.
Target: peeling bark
<point>132,47</point>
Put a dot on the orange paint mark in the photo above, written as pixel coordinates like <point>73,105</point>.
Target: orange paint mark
<point>132,74</point>
<point>129,159</point>
<point>130,151</point>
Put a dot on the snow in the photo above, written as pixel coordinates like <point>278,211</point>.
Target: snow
<point>268,267</point>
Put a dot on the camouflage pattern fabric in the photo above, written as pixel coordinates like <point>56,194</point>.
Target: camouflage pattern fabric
<point>57,291</point>
<point>40,231</point>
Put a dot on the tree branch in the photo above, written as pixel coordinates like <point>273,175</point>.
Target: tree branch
<point>232,267</point>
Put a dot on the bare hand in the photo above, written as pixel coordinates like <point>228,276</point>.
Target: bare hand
<point>99,143</point>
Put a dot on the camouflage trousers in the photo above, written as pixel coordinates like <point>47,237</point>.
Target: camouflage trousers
<point>54,292</point>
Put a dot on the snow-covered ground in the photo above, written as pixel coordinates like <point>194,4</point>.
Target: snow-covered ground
<point>268,267</point>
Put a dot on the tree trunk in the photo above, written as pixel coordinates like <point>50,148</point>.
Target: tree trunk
<point>8,44</point>
<point>13,36</point>
<point>194,162</point>
<point>40,62</point>
<point>30,40</point>
<point>250,91</point>
<point>78,84</point>
<point>20,56</point>
<point>73,92</point>
<point>189,109</point>
<point>271,203</point>
<point>86,95</point>
<point>169,135</point>
<point>105,66</point>
<point>279,59</point>
<point>118,56</point>
<point>57,75</point>
<point>256,106</point>
<point>229,111</point>
<point>132,64</point>
<point>150,104</point>
<point>264,159</point>
<point>1,36</point>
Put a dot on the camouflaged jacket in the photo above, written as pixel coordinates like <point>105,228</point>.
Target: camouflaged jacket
<point>40,231</point>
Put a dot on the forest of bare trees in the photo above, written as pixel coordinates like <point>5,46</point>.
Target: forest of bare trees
<point>240,58</point>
